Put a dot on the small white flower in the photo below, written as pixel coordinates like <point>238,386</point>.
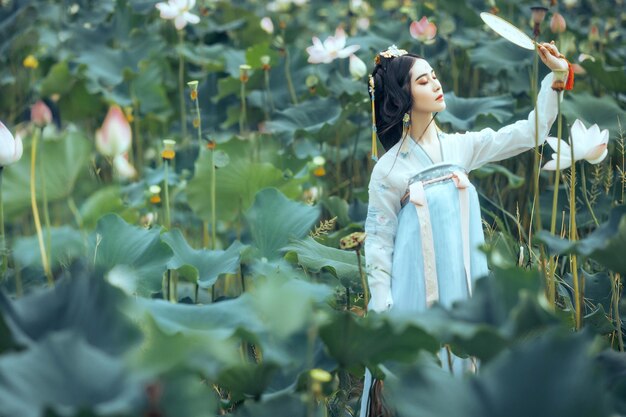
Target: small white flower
<point>333,47</point>
<point>10,148</point>
<point>357,67</point>
<point>178,10</point>
<point>267,25</point>
<point>589,144</point>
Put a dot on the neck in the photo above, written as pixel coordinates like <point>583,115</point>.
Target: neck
<point>423,130</point>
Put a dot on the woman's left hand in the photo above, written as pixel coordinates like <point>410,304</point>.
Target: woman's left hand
<point>551,56</point>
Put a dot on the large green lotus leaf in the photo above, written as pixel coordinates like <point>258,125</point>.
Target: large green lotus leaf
<point>604,245</point>
<point>58,81</point>
<point>103,201</point>
<point>208,264</point>
<point>308,116</point>
<point>526,380</point>
<point>614,79</point>
<point>498,55</point>
<point>247,380</point>
<point>338,207</point>
<point>354,341</point>
<point>84,304</point>
<point>200,351</point>
<point>63,161</point>
<point>461,112</point>
<point>236,185</point>
<point>65,373</point>
<point>221,319</point>
<point>142,251</point>
<point>316,257</point>
<point>603,111</point>
<point>504,306</point>
<point>274,220</point>
<point>67,244</point>
<point>182,393</point>
<point>598,289</point>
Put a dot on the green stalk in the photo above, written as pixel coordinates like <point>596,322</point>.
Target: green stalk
<point>292,90</point>
<point>555,198</point>
<point>213,200</point>
<point>363,281</point>
<point>181,88</point>
<point>268,92</point>
<point>33,201</point>
<point>168,222</point>
<point>5,256</point>
<point>572,237</point>
<point>584,185</point>
<point>46,214</point>
<point>616,297</point>
<point>536,219</point>
<point>242,115</point>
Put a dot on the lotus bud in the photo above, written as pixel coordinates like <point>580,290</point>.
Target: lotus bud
<point>267,25</point>
<point>155,194</point>
<point>357,67</point>
<point>557,23</point>
<point>11,149</point>
<point>40,114</point>
<point>123,168</point>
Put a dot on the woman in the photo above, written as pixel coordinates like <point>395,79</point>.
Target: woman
<point>423,224</point>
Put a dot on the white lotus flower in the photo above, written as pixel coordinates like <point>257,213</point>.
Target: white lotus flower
<point>178,10</point>
<point>589,144</point>
<point>10,148</point>
<point>267,25</point>
<point>333,47</point>
<point>357,67</point>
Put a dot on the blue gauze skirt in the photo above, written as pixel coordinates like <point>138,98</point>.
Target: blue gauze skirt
<point>408,283</point>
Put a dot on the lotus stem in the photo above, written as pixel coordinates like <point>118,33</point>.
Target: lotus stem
<point>33,201</point>
<point>136,134</point>
<point>572,237</point>
<point>168,222</point>
<point>292,91</point>
<point>585,197</point>
<point>555,199</point>
<point>616,290</point>
<point>213,201</point>
<point>268,92</point>
<point>44,196</point>
<point>366,295</point>
<point>181,87</point>
<point>243,115</point>
<point>3,242</point>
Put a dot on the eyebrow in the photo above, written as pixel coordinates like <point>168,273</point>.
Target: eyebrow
<point>423,75</point>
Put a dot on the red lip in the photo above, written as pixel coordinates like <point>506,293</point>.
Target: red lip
<point>439,97</point>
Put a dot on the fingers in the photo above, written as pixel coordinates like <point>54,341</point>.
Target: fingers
<point>551,48</point>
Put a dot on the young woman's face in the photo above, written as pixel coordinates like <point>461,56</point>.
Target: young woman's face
<point>425,88</point>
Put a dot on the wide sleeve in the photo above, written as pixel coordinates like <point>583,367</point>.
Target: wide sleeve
<point>380,228</point>
<point>488,145</point>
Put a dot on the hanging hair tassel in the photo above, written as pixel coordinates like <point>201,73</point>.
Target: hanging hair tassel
<point>569,84</point>
<point>374,144</point>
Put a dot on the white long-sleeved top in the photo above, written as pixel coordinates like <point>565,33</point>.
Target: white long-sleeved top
<point>390,178</point>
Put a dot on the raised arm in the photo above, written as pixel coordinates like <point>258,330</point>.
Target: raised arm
<point>488,145</point>
<point>381,226</point>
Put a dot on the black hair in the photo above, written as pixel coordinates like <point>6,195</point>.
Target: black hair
<point>392,91</point>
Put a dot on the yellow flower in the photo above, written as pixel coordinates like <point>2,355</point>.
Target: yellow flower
<point>30,62</point>
<point>319,171</point>
<point>320,375</point>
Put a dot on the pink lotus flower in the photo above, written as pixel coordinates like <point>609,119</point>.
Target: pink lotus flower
<point>423,30</point>
<point>333,47</point>
<point>115,136</point>
<point>10,148</point>
<point>589,144</point>
<point>178,10</point>
<point>557,23</point>
<point>123,168</point>
<point>40,114</point>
